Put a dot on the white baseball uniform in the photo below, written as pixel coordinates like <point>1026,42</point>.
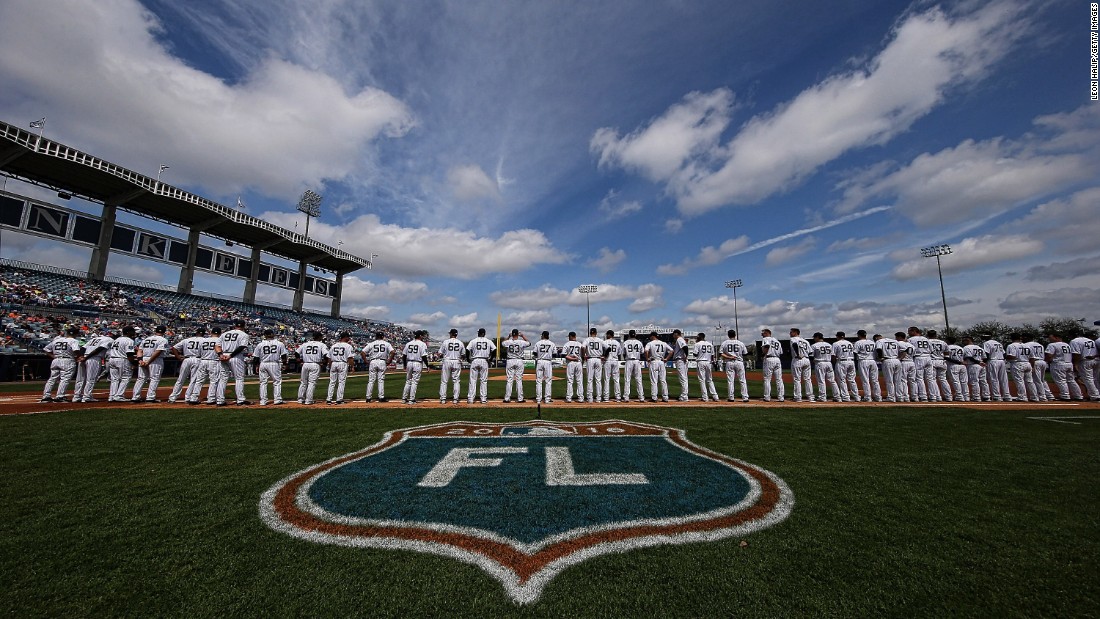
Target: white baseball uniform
<point>733,354</point>
<point>451,351</point>
<point>150,367</point>
<point>573,353</point>
<point>773,368</point>
<point>481,350</point>
<point>823,367</point>
<point>593,361</point>
<point>92,365</point>
<point>868,369</point>
<point>234,346</point>
<point>801,375</point>
<point>1037,354</point>
<point>1085,364</point>
<point>974,357</point>
<point>209,370</point>
<point>924,372</point>
<point>313,353</point>
<point>845,366</point>
<point>414,353</point>
<point>340,355</point>
<point>1061,370</point>
<point>704,358</point>
<point>939,367</point>
<point>658,353</point>
<point>908,368</point>
<point>956,372</point>
<point>1018,356</point>
<point>996,370</point>
<point>513,368</point>
<point>64,351</point>
<point>896,388</point>
<point>633,350</point>
<point>378,354</point>
<point>544,369</point>
<point>613,352</point>
<point>272,353</point>
<point>189,347</point>
<point>680,362</point>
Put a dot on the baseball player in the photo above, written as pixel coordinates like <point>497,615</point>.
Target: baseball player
<point>150,365</point>
<point>974,357</point>
<point>704,359</point>
<point>771,350</point>
<point>888,353</point>
<point>658,353</point>
<point>1059,357</point>
<point>844,365</point>
<point>906,354</point>
<point>63,350</point>
<point>120,364</point>
<point>680,362</point>
<point>544,368</point>
<point>733,352</point>
<point>612,352</point>
<point>480,350</point>
<point>1018,356</point>
<point>633,350</point>
<point>233,353</point>
<point>939,365</point>
<point>1037,354</point>
<point>209,369</point>
<point>187,352</point>
<point>272,354</point>
<point>452,351</point>
<point>574,364</point>
<point>822,353</point>
<point>593,361</point>
<point>513,368</point>
<point>995,370</point>
<point>95,352</point>
<point>341,355</point>
<point>313,354</point>
<point>1083,350</point>
<point>868,367</point>
<point>378,355</point>
<point>924,373</point>
<point>800,367</point>
<point>956,371</point>
<point>413,354</point>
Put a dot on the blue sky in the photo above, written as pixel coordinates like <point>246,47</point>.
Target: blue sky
<point>496,155</point>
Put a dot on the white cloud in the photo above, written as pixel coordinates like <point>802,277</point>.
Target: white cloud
<point>967,254</point>
<point>1068,225</point>
<point>674,226</point>
<point>645,303</point>
<point>445,252</point>
<point>928,54</point>
<point>614,208</point>
<point>422,320</point>
<point>776,314</point>
<point>365,311</point>
<point>1064,270</point>
<point>859,244</point>
<point>464,321</point>
<point>781,255</point>
<point>546,296</point>
<point>529,319</point>
<point>608,260</point>
<point>357,290</point>
<point>1063,301</point>
<point>974,180</point>
<point>100,71</point>
<point>707,256</point>
<point>469,183</point>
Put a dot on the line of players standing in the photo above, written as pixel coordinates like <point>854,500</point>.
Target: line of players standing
<point>920,368</point>
<point>914,368</point>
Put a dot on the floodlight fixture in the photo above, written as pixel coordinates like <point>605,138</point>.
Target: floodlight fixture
<point>588,289</point>
<point>310,204</point>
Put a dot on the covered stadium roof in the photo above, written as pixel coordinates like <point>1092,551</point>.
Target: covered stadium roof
<point>27,156</point>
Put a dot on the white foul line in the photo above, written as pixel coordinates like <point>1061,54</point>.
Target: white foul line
<point>1059,419</point>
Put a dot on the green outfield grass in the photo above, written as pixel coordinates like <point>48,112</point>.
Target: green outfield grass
<point>898,512</point>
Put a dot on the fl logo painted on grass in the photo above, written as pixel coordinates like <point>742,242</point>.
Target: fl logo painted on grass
<point>524,501</point>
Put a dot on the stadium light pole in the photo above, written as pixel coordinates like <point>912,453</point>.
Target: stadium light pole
<point>310,204</point>
<point>735,284</point>
<point>159,172</point>
<point>588,289</point>
<point>937,251</point>
<point>370,263</point>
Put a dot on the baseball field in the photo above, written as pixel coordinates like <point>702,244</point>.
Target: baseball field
<point>917,510</point>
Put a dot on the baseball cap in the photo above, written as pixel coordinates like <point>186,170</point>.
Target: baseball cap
<point>515,331</point>
<point>269,333</point>
<point>454,331</point>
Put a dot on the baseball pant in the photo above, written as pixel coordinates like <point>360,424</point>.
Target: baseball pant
<point>773,370</point>
<point>826,378</point>
<point>79,381</point>
<point>960,382</point>
<point>927,389</point>
<point>152,373</point>
<point>909,371</point>
<point>574,383</point>
<point>846,380</point>
<point>681,366</point>
<point>412,379</point>
<point>1064,380</point>
<point>594,379</point>
<point>310,373</point>
<point>1039,375</point>
<point>544,379</point>
<point>479,376</point>
<point>451,373</point>
<point>337,379</point>
<point>979,386</point>
<point>271,371</point>
<point>376,372</point>
<point>1086,370</point>
<point>800,375</point>
<point>997,375</point>
<point>633,372</point>
<point>236,367</point>
<point>868,375</point>
<point>513,369</point>
<point>1022,375</point>
<point>896,388</point>
<point>92,366</point>
<point>62,371</point>
<point>735,374</point>
<point>208,370</point>
<point>658,377</point>
<point>187,371</point>
<point>611,375</point>
<point>706,380</point>
<point>939,368</point>
<point>218,386</point>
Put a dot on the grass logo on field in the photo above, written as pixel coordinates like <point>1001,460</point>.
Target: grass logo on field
<point>524,501</point>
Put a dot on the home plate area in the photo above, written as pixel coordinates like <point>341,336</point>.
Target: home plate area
<point>524,501</point>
